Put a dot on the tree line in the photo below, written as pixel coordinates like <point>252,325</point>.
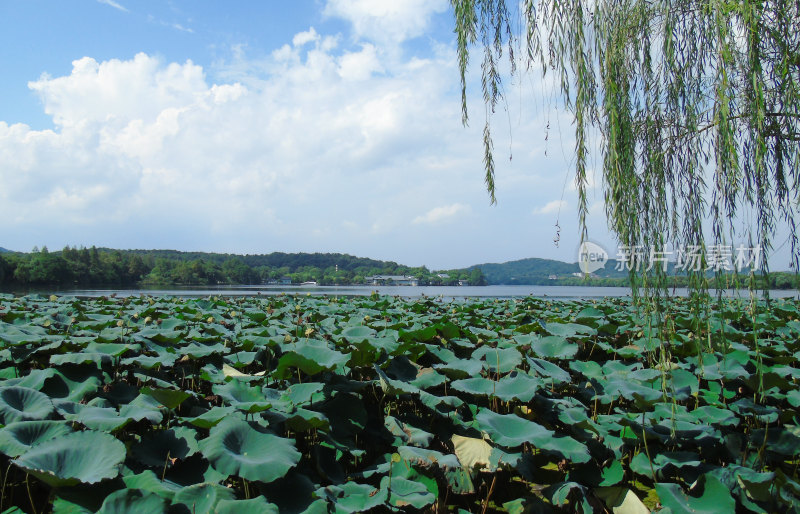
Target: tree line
<point>100,266</point>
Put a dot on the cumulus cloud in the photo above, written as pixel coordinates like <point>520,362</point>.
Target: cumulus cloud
<point>301,38</point>
<point>552,207</point>
<point>442,214</point>
<point>153,151</point>
<point>386,21</point>
<point>315,146</point>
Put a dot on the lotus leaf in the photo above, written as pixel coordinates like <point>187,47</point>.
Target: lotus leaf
<point>23,403</point>
<point>311,359</point>
<point>202,498</point>
<point>404,492</point>
<point>235,447</point>
<point>715,497</point>
<point>253,506</point>
<point>17,438</point>
<point>353,497</point>
<point>86,457</point>
<point>132,500</point>
<point>512,431</point>
<point>169,398</point>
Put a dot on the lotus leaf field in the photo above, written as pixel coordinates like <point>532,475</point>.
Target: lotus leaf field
<point>322,404</point>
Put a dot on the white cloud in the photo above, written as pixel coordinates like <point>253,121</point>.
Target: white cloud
<point>310,147</point>
<point>360,65</point>
<point>386,21</point>
<point>113,4</point>
<point>552,207</point>
<point>442,214</point>
<point>301,38</point>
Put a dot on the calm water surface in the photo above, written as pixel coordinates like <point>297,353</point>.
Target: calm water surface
<point>557,292</point>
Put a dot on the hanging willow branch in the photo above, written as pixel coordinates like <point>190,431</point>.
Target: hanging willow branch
<point>696,102</point>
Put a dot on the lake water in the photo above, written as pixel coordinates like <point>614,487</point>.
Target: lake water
<point>449,292</point>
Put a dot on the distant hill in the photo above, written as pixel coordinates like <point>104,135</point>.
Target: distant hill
<point>535,271</point>
<point>293,261</point>
<point>4,250</point>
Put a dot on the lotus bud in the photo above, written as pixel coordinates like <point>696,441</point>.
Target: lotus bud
<point>120,323</point>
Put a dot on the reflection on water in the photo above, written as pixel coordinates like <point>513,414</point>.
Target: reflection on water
<point>448,292</point>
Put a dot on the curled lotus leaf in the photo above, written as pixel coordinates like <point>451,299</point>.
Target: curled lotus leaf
<point>80,457</point>
<point>22,404</point>
<point>17,438</point>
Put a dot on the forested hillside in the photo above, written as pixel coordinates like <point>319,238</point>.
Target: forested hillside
<point>102,266</point>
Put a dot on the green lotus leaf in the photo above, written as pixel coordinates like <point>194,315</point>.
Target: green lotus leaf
<point>311,358</point>
<point>143,407</point>
<point>71,382</point>
<point>102,419</point>
<point>35,379</point>
<point>253,506</point>
<point>211,417</point>
<point>460,368</point>
<point>243,397</point>
<point>169,398</point>
<point>404,492</point>
<point>150,482</point>
<point>353,497</point>
<point>22,404</point>
<point>198,351</point>
<point>86,457</point>
<point>548,371</point>
<point>202,498</point>
<point>357,333</point>
<point>303,420</point>
<point>511,431</point>
<point>407,433</point>
<point>143,361</point>
<point>554,347</point>
<point>714,498</point>
<point>235,447</point>
<point>113,349</point>
<point>98,359</point>
<point>307,392</point>
<point>643,466</point>
<point>500,360</point>
<point>569,329</point>
<point>428,458</point>
<point>155,448</point>
<point>569,493</point>
<point>132,500</point>
<point>65,506</point>
<point>17,438</point>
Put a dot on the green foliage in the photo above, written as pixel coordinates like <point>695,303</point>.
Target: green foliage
<point>696,104</point>
<point>93,266</point>
<point>226,405</point>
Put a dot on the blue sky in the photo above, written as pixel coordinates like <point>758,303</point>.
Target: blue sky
<point>260,126</point>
